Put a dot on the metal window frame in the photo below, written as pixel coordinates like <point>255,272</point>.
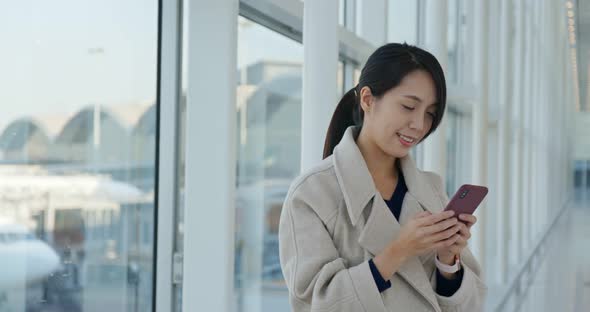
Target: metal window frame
<point>286,18</point>
<point>169,70</point>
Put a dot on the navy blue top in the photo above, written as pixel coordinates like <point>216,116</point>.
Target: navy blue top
<point>445,287</point>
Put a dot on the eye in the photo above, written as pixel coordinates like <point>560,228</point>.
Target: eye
<point>408,107</point>
<point>433,115</point>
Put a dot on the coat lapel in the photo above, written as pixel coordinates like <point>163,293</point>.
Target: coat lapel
<point>380,227</point>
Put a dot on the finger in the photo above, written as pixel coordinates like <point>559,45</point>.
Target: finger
<point>447,243</point>
<point>440,236</point>
<point>456,249</point>
<point>437,217</point>
<point>458,246</point>
<point>470,219</point>
<point>464,231</point>
<point>440,226</point>
<point>461,242</point>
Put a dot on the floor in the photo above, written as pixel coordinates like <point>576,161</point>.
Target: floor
<point>562,282</point>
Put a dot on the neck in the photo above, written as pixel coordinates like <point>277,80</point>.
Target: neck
<point>381,165</point>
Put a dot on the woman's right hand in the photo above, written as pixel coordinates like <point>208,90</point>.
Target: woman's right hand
<point>423,233</point>
<point>427,231</point>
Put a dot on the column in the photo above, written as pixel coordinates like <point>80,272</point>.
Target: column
<point>210,156</point>
<point>320,67</point>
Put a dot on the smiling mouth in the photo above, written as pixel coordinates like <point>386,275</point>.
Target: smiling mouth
<point>407,139</point>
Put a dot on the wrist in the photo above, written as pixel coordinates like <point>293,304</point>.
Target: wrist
<point>448,270</point>
<point>446,258</point>
<point>390,259</point>
<point>399,250</point>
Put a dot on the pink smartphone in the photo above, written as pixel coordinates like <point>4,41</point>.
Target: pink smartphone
<point>467,198</point>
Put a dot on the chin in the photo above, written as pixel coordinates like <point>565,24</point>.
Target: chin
<point>394,149</point>
<point>402,155</point>
<point>397,153</point>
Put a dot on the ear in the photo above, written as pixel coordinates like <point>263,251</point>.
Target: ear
<point>366,99</point>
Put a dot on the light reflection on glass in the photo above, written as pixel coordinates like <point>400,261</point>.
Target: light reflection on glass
<point>77,155</point>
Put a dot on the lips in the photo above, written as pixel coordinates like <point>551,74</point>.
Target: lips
<point>408,140</point>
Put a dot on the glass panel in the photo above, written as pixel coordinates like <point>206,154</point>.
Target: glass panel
<point>403,21</point>
<point>452,40</point>
<point>269,135</point>
<point>464,55</point>
<point>454,151</point>
<point>77,155</point>
<point>456,40</point>
<point>458,138</point>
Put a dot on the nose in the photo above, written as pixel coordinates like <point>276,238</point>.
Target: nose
<point>417,122</point>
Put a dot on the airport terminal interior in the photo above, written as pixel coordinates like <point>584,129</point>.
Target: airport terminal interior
<point>147,147</point>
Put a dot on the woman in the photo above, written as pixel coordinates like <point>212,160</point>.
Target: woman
<point>365,229</point>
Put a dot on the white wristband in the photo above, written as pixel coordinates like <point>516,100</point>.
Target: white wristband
<point>447,268</point>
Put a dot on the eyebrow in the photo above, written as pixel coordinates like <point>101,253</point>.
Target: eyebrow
<point>413,97</point>
<point>417,99</point>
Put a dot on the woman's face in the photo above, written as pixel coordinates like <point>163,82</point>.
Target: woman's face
<point>402,116</point>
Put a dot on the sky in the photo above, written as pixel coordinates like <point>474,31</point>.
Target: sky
<point>63,55</point>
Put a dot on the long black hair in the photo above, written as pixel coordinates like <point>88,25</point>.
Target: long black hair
<point>384,70</point>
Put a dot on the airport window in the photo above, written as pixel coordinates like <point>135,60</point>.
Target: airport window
<point>83,86</point>
<point>342,12</point>
<point>455,150</point>
<point>456,39</point>
<point>452,40</point>
<point>269,127</point>
<point>78,144</point>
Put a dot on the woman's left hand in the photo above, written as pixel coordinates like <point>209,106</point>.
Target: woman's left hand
<point>447,255</point>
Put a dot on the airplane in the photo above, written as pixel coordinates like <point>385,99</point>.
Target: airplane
<point>24,258</point>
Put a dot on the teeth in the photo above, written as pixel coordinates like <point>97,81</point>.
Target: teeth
<point>407,139</point>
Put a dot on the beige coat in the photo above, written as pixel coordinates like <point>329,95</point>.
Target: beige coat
<point>334,220</point>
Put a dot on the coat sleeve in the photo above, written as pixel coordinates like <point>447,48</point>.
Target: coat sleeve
<point>472,293</point>
<point>317,278</point>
